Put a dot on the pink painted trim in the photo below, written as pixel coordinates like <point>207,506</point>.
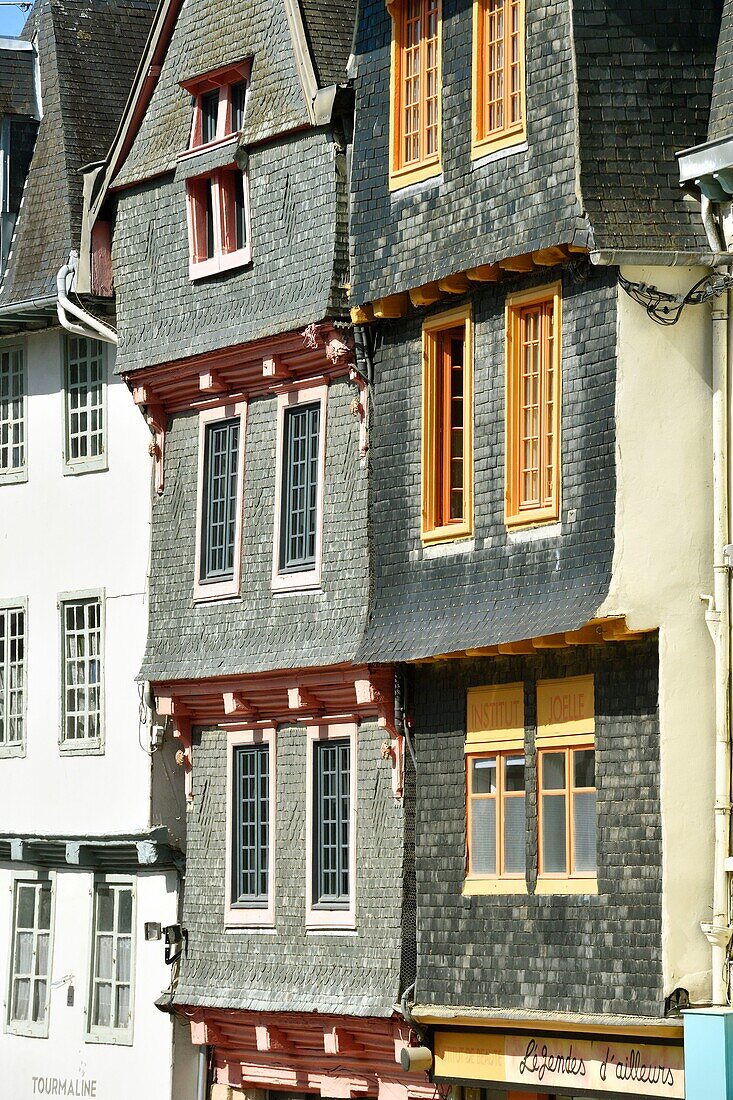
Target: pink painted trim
<point>236,917</point>
<point>205,593</point>
<point>196,150</point>
<point>344,919</point>
<point>223,80</point>
<point>290,397</point>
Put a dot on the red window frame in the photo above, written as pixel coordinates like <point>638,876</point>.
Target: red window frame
<point>224,79</point>
<point>224,252</point>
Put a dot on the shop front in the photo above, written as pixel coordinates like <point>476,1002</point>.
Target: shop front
<point>524,1064</point>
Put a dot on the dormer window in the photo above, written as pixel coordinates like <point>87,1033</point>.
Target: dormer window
<point>219,104</point>
<point>218,199</point>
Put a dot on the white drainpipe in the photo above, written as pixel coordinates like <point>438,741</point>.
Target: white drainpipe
<point>90,326</point>
<point>719,617</point>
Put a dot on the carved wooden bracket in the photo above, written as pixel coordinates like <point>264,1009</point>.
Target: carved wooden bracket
<point>157,420</point>
<point>168,707</point>
<point>359,407</point>
<point>368,692</point>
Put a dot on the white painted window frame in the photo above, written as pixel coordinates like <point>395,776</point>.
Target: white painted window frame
<point>33,876</point>
<point>290,398</point>
<point>91,746</point>
<point>19,474</point>
<point>99,1035</point>
<point>211,591</point>
<point>240,916</point>
<point>95,463</point>
<point>18,748</point>
<point>318,919</point>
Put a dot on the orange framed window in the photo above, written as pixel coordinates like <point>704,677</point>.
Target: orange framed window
<point>415,91</point>
<point>447,443</point>
<point>567,812</point>
<point>533,407</point>
<point>499,111</point>
<point>496,815</point>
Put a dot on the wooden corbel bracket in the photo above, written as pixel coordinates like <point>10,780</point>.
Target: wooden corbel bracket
<point>360,407</point>
<point>158,422</point>
<point>168,706</point>
<point>368,693</point>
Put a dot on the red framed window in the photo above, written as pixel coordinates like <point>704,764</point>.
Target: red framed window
<point>220,100</point>
<point>218,221</point>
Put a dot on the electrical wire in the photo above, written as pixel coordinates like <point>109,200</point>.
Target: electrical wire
<point>666,309</point>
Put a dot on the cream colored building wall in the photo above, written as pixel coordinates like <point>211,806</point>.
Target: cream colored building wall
<point>662,564</point>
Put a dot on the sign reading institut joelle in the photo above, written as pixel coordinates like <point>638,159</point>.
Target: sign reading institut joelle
<point>545,1063</point>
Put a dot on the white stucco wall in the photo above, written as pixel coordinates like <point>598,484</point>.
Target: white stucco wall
<point>142,1070</point>
<point>64,534</point>
<point>662,564</point>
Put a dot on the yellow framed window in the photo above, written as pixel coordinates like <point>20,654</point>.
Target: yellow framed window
<point>499,112</point>
<point>496,819</point>
<point>567,812</point>
<point>447,440</point>
<point>533,327</point>
<point>566,786</point>
<point>415,91</point>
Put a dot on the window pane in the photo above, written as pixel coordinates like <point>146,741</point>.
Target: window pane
<point>484,776</point>
<point>124,919</point>
<point>514,835</point>
<point>26,907</point>
<point>122,1006</point>
<point>12,410</point>
<point>42,955</point>
<point>105,950</point>
<point>251,819</point>
<point>85,378</point>
<point>584,826</point>
<point>483,836</point>
<point>221,471</point>
<point>239,94</point>
<point>585,767</point>
<point>514,773</point>
<point>102,1011</point>
<point>44,907</point>
<point>21,999</point>
<point>123,959</point>
<point>331,832</point>
<point>209,114</point>
<point>39,1002</point>
<point>82,669</point>
<point>24,952</point>
<point>105,909</point>
<point>553,771</point>
<point>554,857</point>
<point>299,505</point>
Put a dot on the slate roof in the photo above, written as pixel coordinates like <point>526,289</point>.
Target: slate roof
<point>17,85</point>
<point>212,33</point>
<point>645,75</point>
<point>89,51</point>
<point>721,109</point>
<point>329,27</point>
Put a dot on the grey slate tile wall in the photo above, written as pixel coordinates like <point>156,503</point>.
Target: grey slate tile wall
<point>476,212</point>
<point>509,586</point>
<point>17,83</point>
<point>592,954</point>
<point>292,971</point>
<point>721,108</point>
<point>645,70</point>
<point>293,279</point>
<point>260,632</point>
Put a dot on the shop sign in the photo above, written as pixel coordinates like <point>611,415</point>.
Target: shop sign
<point>495,717</point>
<point>565,707</point>
<point>542,1062</point>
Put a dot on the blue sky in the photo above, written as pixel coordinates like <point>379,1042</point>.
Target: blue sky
<point>11,21</point>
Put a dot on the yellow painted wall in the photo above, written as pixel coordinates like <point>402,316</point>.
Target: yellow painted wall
<point>662,563</point>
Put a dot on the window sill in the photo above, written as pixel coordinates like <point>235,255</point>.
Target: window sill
<point>87,748</point>
<point>13,477</point>
<point>535,533</point>
<point>217,264</point>
<point>504,144</point>
<point>567,886</point>
<point>483,887</point>
<point>15,751</point>
<point>110,1038</point>
<point>85,466</point>
<point>525,520</point>
<point>450,534</point>
<point>446,549</point>
<point>215,593</point>
<point>249,920</point>
<point>419,174</point>
<point>217,143</point>
<point>284,584</point>
<point>330,920</point>
<point>29,1031</point>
